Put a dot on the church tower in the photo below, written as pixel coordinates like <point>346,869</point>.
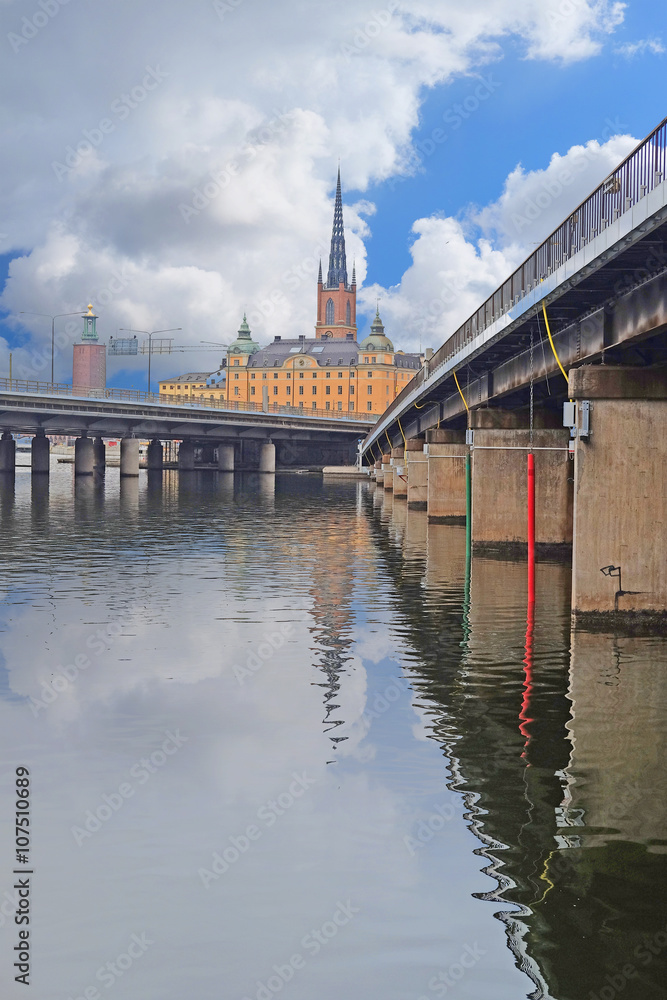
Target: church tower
<point>336,299</point>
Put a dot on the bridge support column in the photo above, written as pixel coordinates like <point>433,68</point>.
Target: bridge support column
<point>83,456</point>
<point>7,452</point>
<point>399,484</point>
<point>447,452</point>
<point>500,491</point>
<point>417,472</point>
<point>40,457</point>
<point>154,456</point>
<point>620,510</point>
<point>99,455</point>
<point>129,457</point>
<point>225,457</point>
<point>386,476</point>
<point>267,457</point>
<point>186,456</point>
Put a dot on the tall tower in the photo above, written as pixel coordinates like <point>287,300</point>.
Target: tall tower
<point>89,368</point>
<point>337,300</point>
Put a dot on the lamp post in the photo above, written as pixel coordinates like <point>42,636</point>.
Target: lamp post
<point>53,319</point>
<point>150,334</point>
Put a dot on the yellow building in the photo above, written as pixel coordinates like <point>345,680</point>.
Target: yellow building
<point>330,371</point>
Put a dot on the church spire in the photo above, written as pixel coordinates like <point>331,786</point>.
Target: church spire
<point>337,261</point>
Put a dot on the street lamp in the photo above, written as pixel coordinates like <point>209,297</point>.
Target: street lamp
<point>53,319</point>
<point>150,334</point>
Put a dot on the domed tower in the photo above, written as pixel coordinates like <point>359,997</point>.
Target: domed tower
<point>243,347</point>
<point>377,340</point>
<point>336,299</point>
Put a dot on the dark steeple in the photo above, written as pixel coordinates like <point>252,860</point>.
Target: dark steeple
<point>337,261</point>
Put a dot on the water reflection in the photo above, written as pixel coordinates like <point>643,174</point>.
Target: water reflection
<point>266,720</point>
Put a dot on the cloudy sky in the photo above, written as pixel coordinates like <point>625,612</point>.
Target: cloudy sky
<point>174,163</point>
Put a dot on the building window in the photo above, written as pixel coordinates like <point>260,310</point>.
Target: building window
<point>328,375</point>
<point>275,390</point>
<point>340,406</point>
<point>252,390</point>
<point>370,374</point>
<point>328,406</point>
<point>236,390</point>
<point>369,406</point>
<point>340,390</point>
<point>314,390</point>
<point>289,390</point>
<point>340,374</point>
<point>314,406</point>
<point>351,406</point>
<point>263,374</point>
<point>348,314</point>
<point>301,390</point>
<point>351,390</point>
<point>289,375</point>
<point>300,374</point>
<point>252,374</point>
<point>275,374</point>
<point>328,390</point>
<point>373,360</point>
<point>369,389</point>
<point>301,405</point>
<point>236,374</point>
<point>366,361</point>
<point>329,311</point>
<point>314,374</point>
<point>236,361</point>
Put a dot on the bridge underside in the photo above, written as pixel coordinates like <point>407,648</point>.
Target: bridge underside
<point>616,315</point>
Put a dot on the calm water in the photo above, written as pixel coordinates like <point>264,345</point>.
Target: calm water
<point>277,749</point>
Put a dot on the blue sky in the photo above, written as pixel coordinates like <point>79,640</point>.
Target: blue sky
<point>210,191</point>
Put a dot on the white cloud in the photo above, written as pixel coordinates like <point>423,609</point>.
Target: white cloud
<point>640,48</point>
<point>458,263</point>
<point>103,153</point>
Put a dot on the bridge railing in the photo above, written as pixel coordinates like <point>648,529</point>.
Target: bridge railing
<point>642,171</point>
<point>187,402</point>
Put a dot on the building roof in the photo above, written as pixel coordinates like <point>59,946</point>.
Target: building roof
<point>190,377</point>
<point>325,352</point>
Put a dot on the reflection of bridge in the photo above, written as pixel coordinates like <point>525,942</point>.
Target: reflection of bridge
<point>590,302</point>
<point>240,432</point>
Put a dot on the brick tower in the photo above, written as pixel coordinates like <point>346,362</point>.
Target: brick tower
<point>336,300</point>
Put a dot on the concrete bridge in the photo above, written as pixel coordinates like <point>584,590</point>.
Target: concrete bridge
<point>555,392</point>
<point>247,435</point>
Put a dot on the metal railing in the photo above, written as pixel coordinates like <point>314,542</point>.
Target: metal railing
<point>642,171</point>
<point>189,402</point>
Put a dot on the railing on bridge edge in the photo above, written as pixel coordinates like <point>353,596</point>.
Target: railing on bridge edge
<point>639,173</point>
<point>135,396</point>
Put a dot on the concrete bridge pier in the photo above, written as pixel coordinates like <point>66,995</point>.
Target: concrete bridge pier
<point>398,484</point>
<point>186,456</point>
<point>446,453</point>
<point>225,457</point>
<point>129,456</point>
<point>376,475</point>
<point>99,455</point>
<point>385,472</point>
<point>500,484</point>
<point>620,507</point>
<point>40,457</point>
<point>154,456</point>
<point>267,457</point>
<point>7,452</point>
<point>417,473</point>
<point>84,456</point>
